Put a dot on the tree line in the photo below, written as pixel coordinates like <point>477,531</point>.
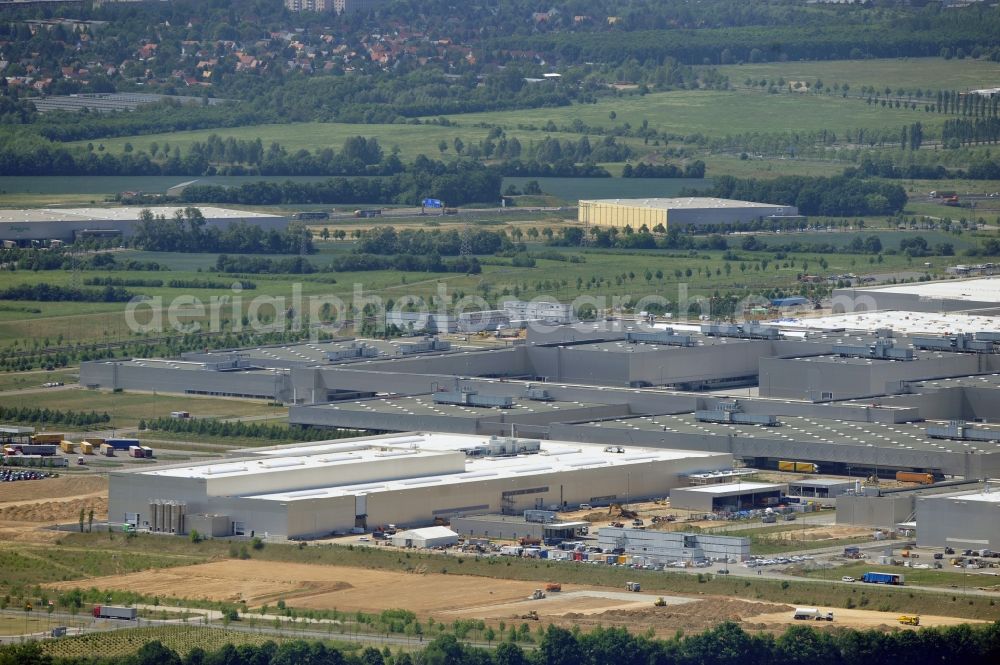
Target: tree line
<point>45,292</point>
<point>726,644</point>
<point>456,183</point>
<point>695,169</point>
<point>187,231</point>
<point>27,414</point>
<point>61,259</point>
<point>212,427</point>
<point>836,196</point>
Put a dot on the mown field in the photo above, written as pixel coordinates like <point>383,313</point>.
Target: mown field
<point>908,73</point>
<point>683,112</point>
<point>819,593</point>
<point>126,409</point>
<point>714,113</point>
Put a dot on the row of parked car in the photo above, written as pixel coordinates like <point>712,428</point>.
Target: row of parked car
<point>755,562</point>
<point>9,476</point>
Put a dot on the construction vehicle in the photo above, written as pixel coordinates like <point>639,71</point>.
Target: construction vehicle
<point>660,602</point>
<point>537,594</point>
<point>622,513</point>
<point>811,613</point>
<point>909,620</point>
<point>532,615</point>
<point>553,587</point>
<point>633,586</point>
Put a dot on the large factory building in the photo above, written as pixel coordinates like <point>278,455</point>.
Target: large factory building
<point>70,224</point>
<point>315,489</point>
<point>637,213</point>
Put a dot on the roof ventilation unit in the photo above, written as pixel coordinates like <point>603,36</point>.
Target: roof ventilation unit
<point>960,431</point>
<point>667,337</point>
<point>732,412</point>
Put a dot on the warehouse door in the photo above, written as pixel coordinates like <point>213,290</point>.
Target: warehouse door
<point>360,505</point>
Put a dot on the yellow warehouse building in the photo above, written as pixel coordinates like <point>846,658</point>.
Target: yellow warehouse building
<point>636,213</point>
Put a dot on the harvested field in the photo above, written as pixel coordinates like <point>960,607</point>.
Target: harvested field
<point>448,597</point>
<point>53,488</point>
<point>318,587</point>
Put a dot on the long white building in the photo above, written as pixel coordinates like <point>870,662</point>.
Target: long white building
<point>312,490</point>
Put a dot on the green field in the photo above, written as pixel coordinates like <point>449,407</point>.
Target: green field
<point>23,380</point>
<point>411,140</point>
<point>686,112</point>
<point>592,272</point>
<point>126,409</point>
<point>908,73</point>
<point>948,577</point>
<point>714,113</point>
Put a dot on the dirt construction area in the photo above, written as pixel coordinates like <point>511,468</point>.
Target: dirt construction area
<point>28,504</point>
<point>311,586</point>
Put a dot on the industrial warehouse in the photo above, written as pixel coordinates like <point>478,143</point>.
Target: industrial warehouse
<point>855,403</point>
<point>71,224</point>
<point>651,213</point>
<point>314,490</point>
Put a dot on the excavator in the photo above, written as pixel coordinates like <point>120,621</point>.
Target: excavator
<point>617,510</point>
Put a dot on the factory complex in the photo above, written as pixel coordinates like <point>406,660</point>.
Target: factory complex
<point>700,401</point>
<point>313,490</point>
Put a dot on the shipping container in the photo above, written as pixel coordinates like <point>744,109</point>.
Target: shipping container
<point>121,444</point>
<point>87,448</point>
<point>147,451</point>
<point>47,438</point>
<point>40,448</point>
<point>135,451</point>
<point>107,450</point>
<point>786,466</point>
<point>67,446</point>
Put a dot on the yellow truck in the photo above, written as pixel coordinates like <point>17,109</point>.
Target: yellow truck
<point>909,620</point>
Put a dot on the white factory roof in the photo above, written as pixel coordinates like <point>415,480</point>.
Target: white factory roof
<point>903,322</point>
<point>128,213</point>
<point>694,202</point>
<point>247,467</point>
<point>555,457</point>
<point>428,533</point>
<point>734,488</point>
<point>992,496</point>
<point>981,289</point>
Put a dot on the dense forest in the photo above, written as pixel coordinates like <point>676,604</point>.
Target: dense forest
<point>726,644</point>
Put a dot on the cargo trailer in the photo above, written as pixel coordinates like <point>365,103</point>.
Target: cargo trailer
<point>883,578</point>
<point>115,612</point>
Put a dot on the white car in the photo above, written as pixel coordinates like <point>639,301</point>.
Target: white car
<point>847,578</point>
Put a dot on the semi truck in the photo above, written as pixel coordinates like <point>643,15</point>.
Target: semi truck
<point>915,477</point>
<point>883,578</point>
<point>115,612</point>
<point>811,614</point>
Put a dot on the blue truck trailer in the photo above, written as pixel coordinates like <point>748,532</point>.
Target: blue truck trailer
<point>883,578</point>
